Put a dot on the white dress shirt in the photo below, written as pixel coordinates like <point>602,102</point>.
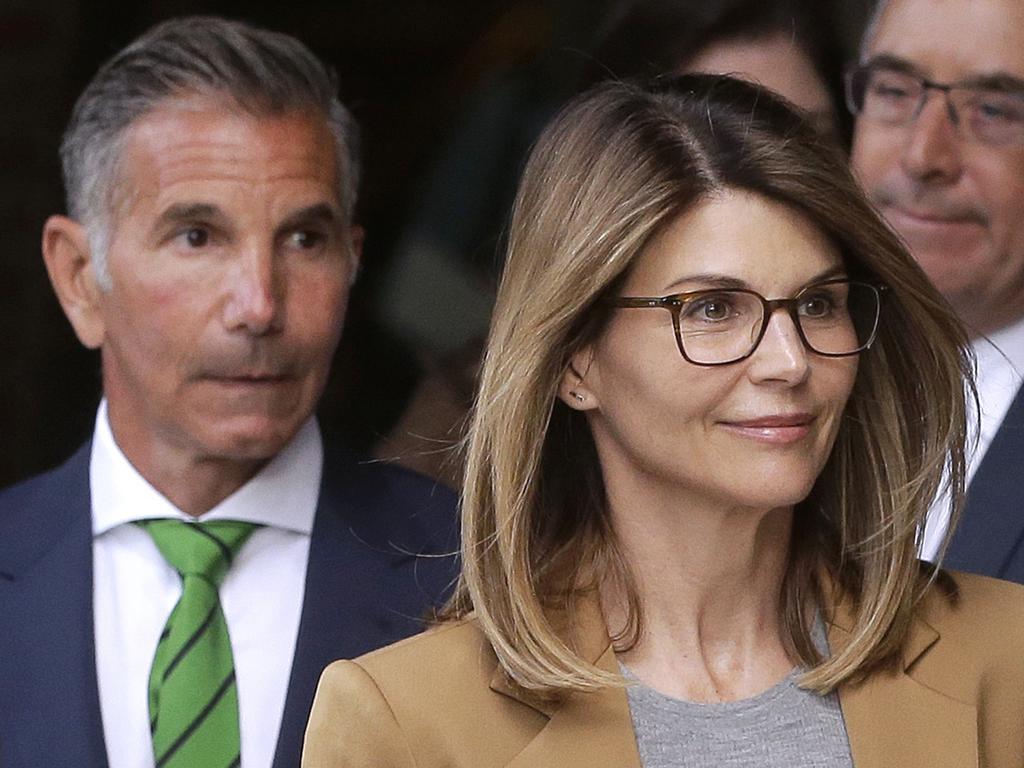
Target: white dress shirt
<point>1000,361</point>
<point>135,590</point>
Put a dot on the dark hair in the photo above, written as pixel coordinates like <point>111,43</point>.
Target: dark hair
<point>646,38</point>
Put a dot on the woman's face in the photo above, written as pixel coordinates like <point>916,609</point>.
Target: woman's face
<point>755,433</point>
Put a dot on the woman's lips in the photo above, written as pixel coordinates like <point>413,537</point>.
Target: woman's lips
<point>775,430</point>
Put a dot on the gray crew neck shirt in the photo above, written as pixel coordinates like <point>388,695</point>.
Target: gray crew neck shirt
<point>783,727</point>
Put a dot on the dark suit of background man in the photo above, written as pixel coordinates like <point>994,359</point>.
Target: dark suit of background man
<point>208,254</point>
<point>939,147</point>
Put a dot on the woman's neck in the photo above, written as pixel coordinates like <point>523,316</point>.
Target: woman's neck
<point>709,578</point>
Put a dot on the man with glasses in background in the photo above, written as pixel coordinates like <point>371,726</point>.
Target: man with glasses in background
<point>939,147</point>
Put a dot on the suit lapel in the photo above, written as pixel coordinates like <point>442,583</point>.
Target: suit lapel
<point>363,588</point>
<point>48,645</point>
<point>893,720</point>
<point>321,629</point>
<point>992,529</point>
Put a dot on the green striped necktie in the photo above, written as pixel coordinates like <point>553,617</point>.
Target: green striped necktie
<point>193,699</point>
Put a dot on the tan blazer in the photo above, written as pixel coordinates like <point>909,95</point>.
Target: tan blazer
<point>440,699</point>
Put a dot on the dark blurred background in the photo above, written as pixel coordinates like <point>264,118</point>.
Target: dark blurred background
<point>449,93</point>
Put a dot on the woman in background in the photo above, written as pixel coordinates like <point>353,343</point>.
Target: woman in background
<point>717,400</point>
<point>787,46</point>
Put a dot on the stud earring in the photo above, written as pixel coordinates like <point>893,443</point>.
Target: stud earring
<point>578,396</point>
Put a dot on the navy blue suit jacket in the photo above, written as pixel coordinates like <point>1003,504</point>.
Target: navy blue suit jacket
<point>990,538</point>
<point>365,587</point>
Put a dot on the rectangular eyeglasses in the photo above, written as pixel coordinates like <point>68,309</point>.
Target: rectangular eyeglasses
<point>715,326</point>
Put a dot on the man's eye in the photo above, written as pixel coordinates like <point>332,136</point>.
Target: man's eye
<point>889,92</point>
<point>305,239</point>
<point>892,87</point>
<point>197,237</point>
<point>1001,109</point>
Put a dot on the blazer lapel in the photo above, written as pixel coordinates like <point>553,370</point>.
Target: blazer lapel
<point>361,585</point>
<point>992,529</point>
<point>585,729</point>
<point>892,720</point>
<point>47,646</point>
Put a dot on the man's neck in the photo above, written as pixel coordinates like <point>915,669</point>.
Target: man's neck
<point>193,483</point>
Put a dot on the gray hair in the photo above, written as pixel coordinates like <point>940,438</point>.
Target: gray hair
<point>262,72</point>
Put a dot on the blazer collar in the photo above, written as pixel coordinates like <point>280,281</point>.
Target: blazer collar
<point>891,718</point>
<point>584,729</point>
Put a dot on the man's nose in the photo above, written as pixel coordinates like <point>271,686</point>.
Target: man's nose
<point>781,355</point>
<point>932,152</point>
<point>255,293</point>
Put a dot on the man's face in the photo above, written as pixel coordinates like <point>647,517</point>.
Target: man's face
<point>230,263</point>
<point>958,203</point>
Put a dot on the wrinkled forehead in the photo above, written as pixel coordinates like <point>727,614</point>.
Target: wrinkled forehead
<point>950,40</point>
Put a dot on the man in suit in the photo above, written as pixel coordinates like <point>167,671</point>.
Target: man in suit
<point>171,594</point>
<point>939,147</point>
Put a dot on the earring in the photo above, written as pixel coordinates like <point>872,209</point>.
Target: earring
<point>578,396</point>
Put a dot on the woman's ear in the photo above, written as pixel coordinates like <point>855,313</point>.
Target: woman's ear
<point>71,269</point>
<point>574,390</point>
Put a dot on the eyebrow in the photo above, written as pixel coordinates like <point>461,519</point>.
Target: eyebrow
<point>727,282</point>
<point>324,214</point>
<point>179,213</point>
<point>994,81</point>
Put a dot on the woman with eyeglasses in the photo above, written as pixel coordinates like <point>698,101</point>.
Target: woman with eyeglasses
<point>717,400</point>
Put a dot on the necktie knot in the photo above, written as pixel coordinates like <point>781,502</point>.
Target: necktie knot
<point>199,549</point>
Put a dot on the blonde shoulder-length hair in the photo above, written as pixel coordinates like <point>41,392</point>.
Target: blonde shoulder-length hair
<point>615,166</point>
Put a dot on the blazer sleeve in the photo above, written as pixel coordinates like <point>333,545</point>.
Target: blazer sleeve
<point>352,724</point>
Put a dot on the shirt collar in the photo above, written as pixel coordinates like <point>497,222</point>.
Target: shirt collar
<point>1003,348</point>
<point>281,495</point>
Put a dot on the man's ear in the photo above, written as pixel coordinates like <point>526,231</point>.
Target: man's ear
<point>72,274</point>
<point>356,236</point>
<point>573,389</point>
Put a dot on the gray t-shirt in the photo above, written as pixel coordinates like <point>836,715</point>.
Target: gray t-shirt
<point>783,727</point>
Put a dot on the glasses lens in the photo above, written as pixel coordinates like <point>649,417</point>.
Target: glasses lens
<point>886,95</point>
<point>720,326</point>
<point>994,117</point>
<point>838,318</point>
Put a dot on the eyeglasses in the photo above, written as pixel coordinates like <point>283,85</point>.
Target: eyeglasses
<point>834,318</point>
<point>986,114</point>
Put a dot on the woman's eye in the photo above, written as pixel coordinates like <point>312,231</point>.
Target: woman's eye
<point>712,309</point>
<point>816,306</point>
<point>716,310</point>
